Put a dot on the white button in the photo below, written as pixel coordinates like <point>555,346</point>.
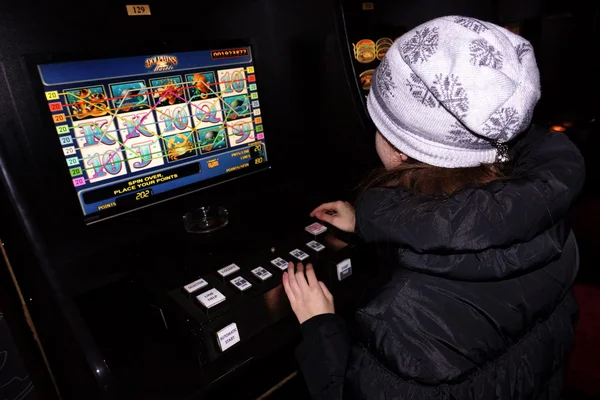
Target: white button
<point>261,273</point>
<point>228,336</point>
<point>344,269</point>
<point>211,298</point>
<point>299,254</point>
<point>280,263</point>
<point>228,270</point>
<point>316,246</point>
<point>241,284</point>
<point>196,285</point>
<point>316,228</point>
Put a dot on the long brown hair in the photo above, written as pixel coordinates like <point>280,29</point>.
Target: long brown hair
<point>422,178</point>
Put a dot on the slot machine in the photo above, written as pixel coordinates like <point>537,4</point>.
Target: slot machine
<point>158,166</point>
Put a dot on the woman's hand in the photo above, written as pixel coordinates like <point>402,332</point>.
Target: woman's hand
<point>308,296</point>
<point>339,214</point>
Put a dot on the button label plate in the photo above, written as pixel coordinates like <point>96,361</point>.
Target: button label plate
<point>228,336</point>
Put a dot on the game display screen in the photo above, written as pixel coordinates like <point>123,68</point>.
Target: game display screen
<point>138,130</point>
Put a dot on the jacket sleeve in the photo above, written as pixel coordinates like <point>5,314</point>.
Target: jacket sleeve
<point>323,355</point>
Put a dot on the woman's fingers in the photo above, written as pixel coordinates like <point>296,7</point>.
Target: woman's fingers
<point>324,207</point>
<point>310,276</point>
<point>326,291</point>
<point>287,288</point>
<point>292,279</point>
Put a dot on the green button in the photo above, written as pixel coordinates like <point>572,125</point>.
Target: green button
<point>259,128</point>
<point>252,86</point>
<point>75,171</point>
<point>62,129</point>
<point>254,95</point>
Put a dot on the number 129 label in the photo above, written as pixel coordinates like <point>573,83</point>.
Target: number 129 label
<point>138,9</point>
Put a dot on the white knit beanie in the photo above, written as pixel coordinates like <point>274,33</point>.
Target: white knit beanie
<point>452,91</point>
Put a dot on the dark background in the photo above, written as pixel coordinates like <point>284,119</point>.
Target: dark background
<point>319,140</point>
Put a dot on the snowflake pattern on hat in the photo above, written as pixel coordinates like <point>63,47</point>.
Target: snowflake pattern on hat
<point>419,91</point>
<point>484,54</point>
<point>521,50</point>
<point>451,94</point>
<point>383,79</point>
<point>471,23</point>
<point>461,135</point>
<point>421,46</point>
<point>503,124</point>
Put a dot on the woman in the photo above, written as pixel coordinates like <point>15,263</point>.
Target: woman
<point>478,260</point>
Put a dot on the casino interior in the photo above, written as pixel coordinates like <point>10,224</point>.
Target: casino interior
<point>144,260</point>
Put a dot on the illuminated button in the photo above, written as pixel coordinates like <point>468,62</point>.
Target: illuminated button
<point>255,104</point>
<point>228,336</point>
<point>316,246</point>
<point>280,263</point>
<point>56,106</point>
<point>241,284</point>
<point>52,95</point>
<point>59,118</point>
<point>299,254</point>
<point>316,228</point>
<point>72,161</point>
<point>228,270</point>
<point>69,151</point>
<point>256,112</point>
<point>250,70</point>
<point>62,129</point>
<point>252,86</point>
<point>344,269</point>
<point>76,171</point>
<point>211,298</point>
<point>196,285</point>
<point>78,182</point>
<point>261,273</point>
<point>251,78</point>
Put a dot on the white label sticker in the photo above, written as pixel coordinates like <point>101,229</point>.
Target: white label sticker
<point>211,298</point>
<point>138,9</point>
<point>228,336</point>
<point>299,254</point>
<point>344,269</point>
<point>280,263</point>
<point>228,270</point>
<point>196,285</point>
<point>262,273</point>
<point>241,284</point>
<point>316,246</point>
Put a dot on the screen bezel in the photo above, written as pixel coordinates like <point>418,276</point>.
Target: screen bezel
<point>62,213</point>
<point>32,63</point>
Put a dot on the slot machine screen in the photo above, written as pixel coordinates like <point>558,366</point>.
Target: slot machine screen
<point>139,130</point>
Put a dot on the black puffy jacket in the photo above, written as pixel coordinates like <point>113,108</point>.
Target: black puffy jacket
<point>476,300</point>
